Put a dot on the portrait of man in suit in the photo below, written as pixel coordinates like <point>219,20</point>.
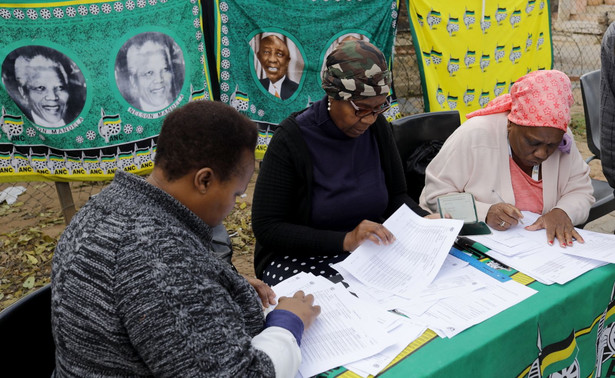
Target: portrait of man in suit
<point>274,57</point>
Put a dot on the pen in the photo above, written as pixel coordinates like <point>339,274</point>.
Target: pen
<point>502,200</point>
<point>476,249</point>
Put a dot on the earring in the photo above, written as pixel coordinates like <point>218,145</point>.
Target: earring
<point>328,105</point>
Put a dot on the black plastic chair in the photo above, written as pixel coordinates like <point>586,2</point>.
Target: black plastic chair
<point>410,132</point>
<point>603,192</point>
<point>25,330</point>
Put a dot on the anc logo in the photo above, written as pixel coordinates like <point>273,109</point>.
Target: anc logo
<point>240,100</point>
<point>559,360</point>
<point>556,360</point>
<point>11,124</point>
<point>605,343</point>
<point>196,95</point>
<point>109,125</point>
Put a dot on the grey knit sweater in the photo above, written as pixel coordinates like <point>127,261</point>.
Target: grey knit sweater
<point>136,292</point>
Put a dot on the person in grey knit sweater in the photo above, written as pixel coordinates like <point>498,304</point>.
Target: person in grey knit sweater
<point>136,290</point>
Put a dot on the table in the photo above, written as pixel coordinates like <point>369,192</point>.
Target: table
<point>555,330</point>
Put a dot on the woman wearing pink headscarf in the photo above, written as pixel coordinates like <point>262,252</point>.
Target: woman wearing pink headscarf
<point>517,154</point>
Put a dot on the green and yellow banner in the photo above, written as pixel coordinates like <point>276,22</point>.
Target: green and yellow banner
<point>271,54</point>
<point>86,84</point>
<point>470,52</point>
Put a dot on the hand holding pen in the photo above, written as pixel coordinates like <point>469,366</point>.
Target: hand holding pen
<point>502,216</point>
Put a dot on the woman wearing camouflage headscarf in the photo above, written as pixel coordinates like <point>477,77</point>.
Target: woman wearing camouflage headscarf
<point>331,173</point>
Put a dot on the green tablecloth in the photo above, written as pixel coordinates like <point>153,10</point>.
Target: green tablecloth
<point>557,330</point>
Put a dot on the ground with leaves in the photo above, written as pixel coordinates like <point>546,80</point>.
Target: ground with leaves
<point>25,256</point>
<point>27,243</point>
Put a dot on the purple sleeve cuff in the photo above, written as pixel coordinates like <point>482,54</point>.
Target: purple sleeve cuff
<point>286,320</point>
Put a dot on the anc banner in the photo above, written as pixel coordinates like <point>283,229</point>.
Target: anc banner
<point>270,54</point>
<point>86,84</point>
<point>563,331</point>
<point>586,352</point>
<point>470,52</point>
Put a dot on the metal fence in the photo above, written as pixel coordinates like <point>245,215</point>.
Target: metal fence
<point>41,198</point>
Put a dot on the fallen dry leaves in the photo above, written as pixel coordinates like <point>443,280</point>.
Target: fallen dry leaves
<point>25,253</point>
<point>239,226</point>
<point>25,256</point>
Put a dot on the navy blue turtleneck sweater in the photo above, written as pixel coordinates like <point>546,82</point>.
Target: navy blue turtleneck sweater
<point>347,172</point>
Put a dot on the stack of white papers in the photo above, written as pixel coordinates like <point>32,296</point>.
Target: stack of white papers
<point>346,329</point>
<point>597,246</point>
<point>451,280</point>
<point>401,276</point>
<point>412,261</point>
<point>460,297</point>
<point>450,316</point>
<point>402,335</point>
<point>529,252</point>
<point>360,326</point>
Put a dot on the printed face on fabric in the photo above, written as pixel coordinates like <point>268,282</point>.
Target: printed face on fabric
<point>47,94</point>
<point>150,71</point>
<point>531,145</point>
<point>37,78</point>
<point>153,76</point>
<point>219,197</point>
<point>274,56</point>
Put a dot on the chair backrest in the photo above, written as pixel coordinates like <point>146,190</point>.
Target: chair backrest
<point>590,91</point>
<point>25,330</point>
<point>413,130</point>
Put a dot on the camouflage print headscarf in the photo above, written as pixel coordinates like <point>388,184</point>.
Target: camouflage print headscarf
<point>356,69</point>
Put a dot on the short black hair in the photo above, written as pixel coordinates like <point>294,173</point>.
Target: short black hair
<point>204,134</point>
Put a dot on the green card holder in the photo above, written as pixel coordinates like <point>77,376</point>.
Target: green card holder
<point>478,228</point>
<point>462,206</point>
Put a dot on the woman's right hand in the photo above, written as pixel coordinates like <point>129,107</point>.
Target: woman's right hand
<point>502,216</point>
<point>367,230</point>
<point>301,305</point>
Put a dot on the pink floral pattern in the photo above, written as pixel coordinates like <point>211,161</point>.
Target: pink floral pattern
<point>540,98</point>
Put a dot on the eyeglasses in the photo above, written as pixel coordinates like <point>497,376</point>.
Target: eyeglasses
<point>363,112</point>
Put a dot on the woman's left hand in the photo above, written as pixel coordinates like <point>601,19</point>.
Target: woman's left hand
<point>558,226</point>
<point>266,293</point>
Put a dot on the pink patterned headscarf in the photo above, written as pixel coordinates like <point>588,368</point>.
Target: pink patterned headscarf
<point>540,98</point>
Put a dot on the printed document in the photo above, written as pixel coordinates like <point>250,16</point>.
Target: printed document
<point>528,252</point>
<point>453,315</point>
<point>345,331</point>
<point>412,261</point>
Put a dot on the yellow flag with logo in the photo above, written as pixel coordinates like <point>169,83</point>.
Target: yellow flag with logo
<point>470,52</point>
